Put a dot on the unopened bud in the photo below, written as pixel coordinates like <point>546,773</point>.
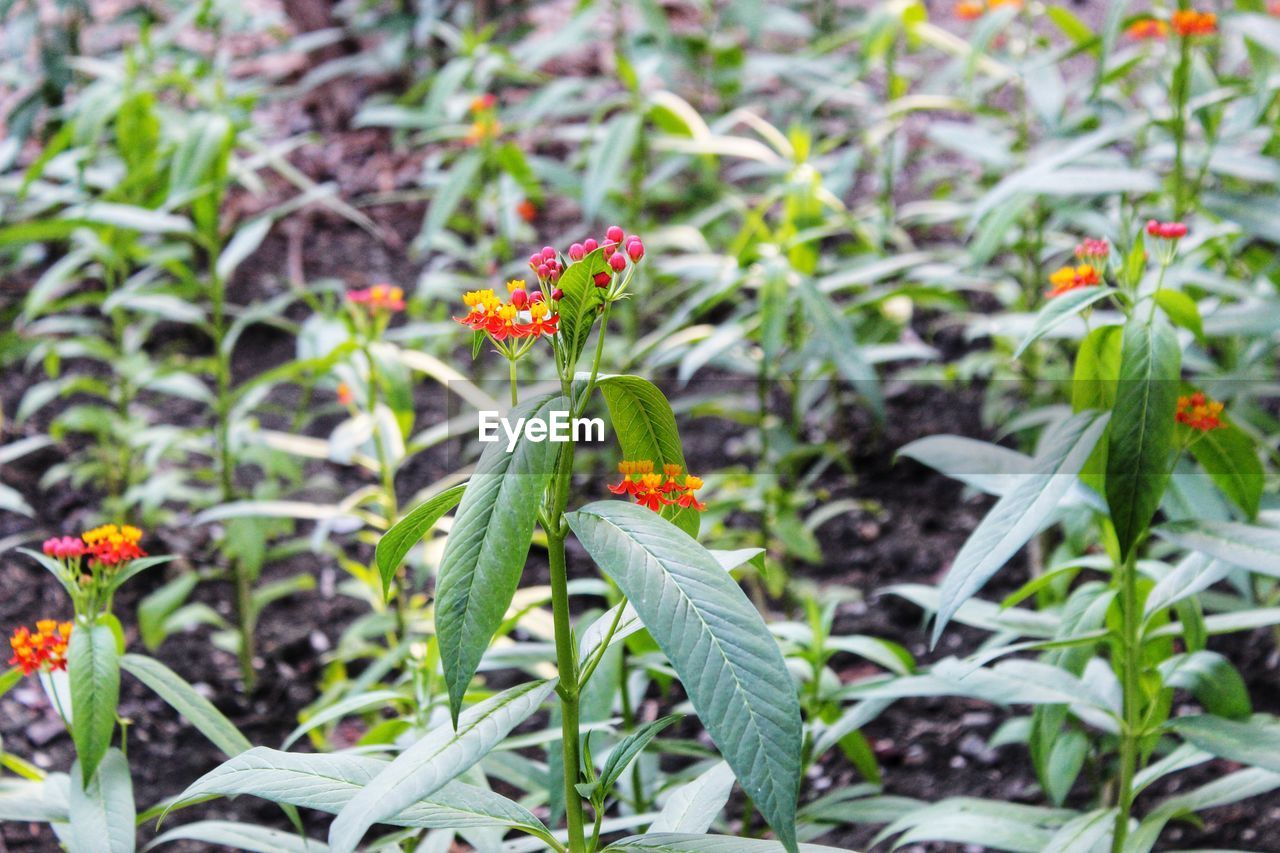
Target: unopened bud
<point>614,234</point>
<point>589,245</point>
<point>577,252</point>
<point>519,298</point>
<point>617,263</point>
<point>635,250</point>
<point>602,279</point>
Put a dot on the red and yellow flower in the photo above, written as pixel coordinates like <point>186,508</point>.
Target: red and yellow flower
<point>1199,412</point>
<point>110,545</point>
<point>971,10</point>
<point>42,650</point>
<point>655,490</point>
<point>380,297</point>
<point>1070,278</point>
<point>1192,22</point>
<point>521,315</point>
<point>1146,29</point>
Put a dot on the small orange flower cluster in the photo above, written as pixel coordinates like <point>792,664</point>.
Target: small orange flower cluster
<point>1145,29</point>
<point>107,545</point>
<point>653,490</point>
<point>1199,412</point>
<point>971,10</point>
<point>345,395</point>
<point>110,545</point>
<point>380,297</point>
<point>1070,278</point>
<point>521,315</point>
<point>45,650</point>
<point>1190,22</point>
<point>484,124</point>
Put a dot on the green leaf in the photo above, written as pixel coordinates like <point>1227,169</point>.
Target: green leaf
<point>156,607</point>
<point>433,761</point>
<point>646,429</point>
<point>580,301</point>
<point>1060,309</point>
<point>835,335</point>
<point>1020,514</point>
<point>241,836</point>
<point>607,161</point>
<point>407,532</point>
<point>1089,832</point>
<point>43,802</point>
<point>1230,458</point>
<point>462,174</point>
<point>102,808</point>
<point>717,642</point>
<point>693,807</point>
<point>631,746</point>
<point>485,553</point>
<point>327,782</point>
<point>1246,545</point>
<point>1140,450</point>
<point>93,669</point>
<point>660,842</point>
<point>351,705</point>
<point>1181,310</point>
<point>183,698</point>
<point>1256,742</point>
<point>1212,680</point>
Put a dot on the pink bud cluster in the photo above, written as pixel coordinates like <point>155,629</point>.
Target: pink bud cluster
<point>64,547</point>
<point>546,265</point>
<point>1166,230</point>
<point>617,247</point>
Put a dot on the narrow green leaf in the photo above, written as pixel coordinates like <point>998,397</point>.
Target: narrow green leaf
<point>1140,449</point>
<point>1210,678</point>
<point>102,808</point>
<point>407,532</point>
<point>183,698</point>
<point>1247,545</point>
<point>425,768</point>
<point>717,642</point>
<point>1230,458</point>
<point>1255,743</point>
<point>694,807</point>
<point>1059,310</point>
<point>607,161</point>
<point>835,334</point>
<point>462,174</point>
<point>240,836</point>
<point>93,669</point>
<point>646,429</point>
<point>661,842</point>
<point>1020,514</point>
<point>485,553</point>
<point>631,746</point>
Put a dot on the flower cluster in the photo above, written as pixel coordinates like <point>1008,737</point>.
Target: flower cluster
<point>1070,278</point>
<point>110,545</point>
<point>521,315</point>
<point>971,10</point>
<point>43,650</point>
<point>653,490</point>
<point>617,248</point>
<point>546,265</point>
<point>380,297</point>
<point>484,120</point>
<point>1190,22</point>
<point>1145,29</point>
<point>1199,412</point>
<point>1093,251</point>
<point>1166,230</point>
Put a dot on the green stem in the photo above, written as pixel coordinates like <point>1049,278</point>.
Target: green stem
<point>1130,674</point>
<point>515,396</point>
<point>1181,78</point>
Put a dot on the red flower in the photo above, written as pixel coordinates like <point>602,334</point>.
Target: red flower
<point>1166,230</point>
<point>110,545</point>
<point>1199,413</point>
<point>651,489</point>
<point>1069,278</point>
<point>45,650</point>
<point>380,297</point>
<point>1190,22</point>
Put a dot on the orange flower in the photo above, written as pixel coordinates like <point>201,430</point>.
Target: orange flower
<point>967,11</point>
<point>1273,7</point>
<point>1147,28</point>
<point>526,210</point>
<point>380,297</point>
<point>480,103</point>
<point>1199,413</point>
<point>483,129</point>
<point>651,489</point>
<point>110,545</point>
<point>1069,278</point>
<point>345,396</point>
<point>501,319</point>
<point>1190,22</point>
<point>45,650</point>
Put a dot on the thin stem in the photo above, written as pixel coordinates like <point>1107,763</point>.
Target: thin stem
<point>1181,78</point>
<point>598,656</point>
<point>515,396</point>
<point>1130,675</point>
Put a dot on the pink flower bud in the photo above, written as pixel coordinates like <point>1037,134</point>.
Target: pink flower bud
<point>614,234</point>
<point>635,250</point>
<point>543,271</point>
<point>617,263</point>
<point>555,274</point>
<point>548,253</point>
<point>602,279</point>
<point>608,250</point>
<point>577,252</point>
<point>534,260</point>
<point>537,296</point>
<point>589,245</point>
<point>519,298</point>
<point>557,294</point>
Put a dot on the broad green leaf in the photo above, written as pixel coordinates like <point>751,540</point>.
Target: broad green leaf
<point>646,429</point>
<point>1212,680</point>
<point>1247,545</point>
<point>435,760</point>
<point>241,836</point>
<point>1060,309</point>
<point>1229,457</point>
<point>1256,742</point>
<point>1181,310</point>
<point>717,642</point>
<point>487,546</point>
<point>102,809</point>
<point>660,842</point>
<point>1020,514</point>
<point>327,782</point>
<point>1140,449</point>
<point>579,304</point>
<point>182,697</point>
<point>608,160</point>
<point>406,532</point>
<point>93,668</point>
<point>693,807</point>
<point>41,802</point>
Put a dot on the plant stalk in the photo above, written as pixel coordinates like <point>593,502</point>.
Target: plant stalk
<point>1130,684</point>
